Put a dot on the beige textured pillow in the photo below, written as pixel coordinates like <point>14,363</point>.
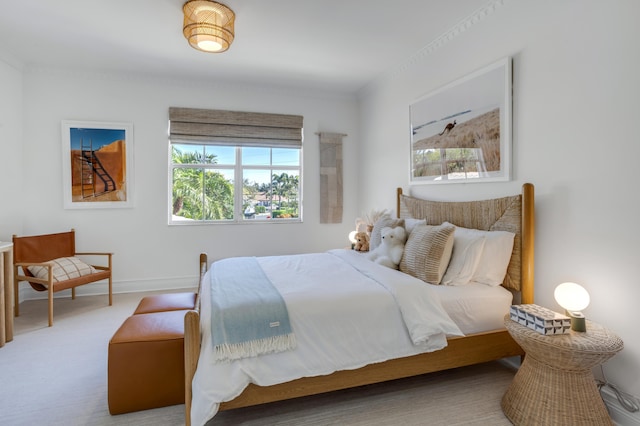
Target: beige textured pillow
<point>385,221</point>
<point>64,268</point>
<point>427,252</point>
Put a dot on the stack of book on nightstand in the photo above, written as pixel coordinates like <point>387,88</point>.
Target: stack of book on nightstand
<point>540,319</point>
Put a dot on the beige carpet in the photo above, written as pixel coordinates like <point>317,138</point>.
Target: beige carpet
<point>58,376</point>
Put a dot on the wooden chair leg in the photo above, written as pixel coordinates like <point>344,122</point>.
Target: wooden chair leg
<point>109,262</point>
<point>73,293</point>
<point>50,305</point>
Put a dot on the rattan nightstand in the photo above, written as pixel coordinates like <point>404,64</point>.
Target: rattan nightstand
<point>554,385</point>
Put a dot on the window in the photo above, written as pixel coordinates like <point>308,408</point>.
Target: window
<point>450,163</point>
<point>235,173</point>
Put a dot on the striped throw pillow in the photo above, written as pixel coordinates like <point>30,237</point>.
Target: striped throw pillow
<point>427,252</point>
<point>64,268</point>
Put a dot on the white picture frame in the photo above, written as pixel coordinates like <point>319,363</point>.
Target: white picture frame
<point>461,132</point>
<point>97,164</point>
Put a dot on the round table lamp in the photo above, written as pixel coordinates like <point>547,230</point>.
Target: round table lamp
<point>573,298</point>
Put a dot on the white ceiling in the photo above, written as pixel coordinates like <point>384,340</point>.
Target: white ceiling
<point>337,45</point>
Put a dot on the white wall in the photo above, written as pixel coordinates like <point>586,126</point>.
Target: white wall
<point>576,87</point>
<point>10,150</point>
<point>149,254</point>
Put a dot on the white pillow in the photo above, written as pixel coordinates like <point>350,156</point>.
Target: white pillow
<point>410,223</point>
<point>64,268</point>
<point>496,254</point>
<point>467,249</point>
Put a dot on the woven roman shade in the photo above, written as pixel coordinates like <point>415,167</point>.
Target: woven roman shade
<point>190,125</point>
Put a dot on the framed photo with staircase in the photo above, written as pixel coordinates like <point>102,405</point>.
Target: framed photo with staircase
<point>97,164</point>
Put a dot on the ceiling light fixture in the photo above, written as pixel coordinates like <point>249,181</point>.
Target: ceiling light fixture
<point>208,25</point>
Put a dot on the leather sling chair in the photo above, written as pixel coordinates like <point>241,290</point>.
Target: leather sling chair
<point>49,263</point>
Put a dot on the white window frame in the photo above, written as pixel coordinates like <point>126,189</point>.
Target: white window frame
<point>238,176</point>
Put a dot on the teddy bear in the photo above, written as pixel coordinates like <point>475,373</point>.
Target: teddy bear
<point>389,252</point>
<point>362,242</point>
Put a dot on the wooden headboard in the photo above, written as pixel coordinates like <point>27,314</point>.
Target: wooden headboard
<point>513,213</point>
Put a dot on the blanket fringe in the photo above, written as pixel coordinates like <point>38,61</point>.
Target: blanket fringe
<point>233,351</point>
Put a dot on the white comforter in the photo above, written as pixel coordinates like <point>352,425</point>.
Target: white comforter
<point>346,312</point>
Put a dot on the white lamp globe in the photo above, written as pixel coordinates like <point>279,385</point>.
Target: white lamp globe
<point>352,237</point>
<point>571,296</point>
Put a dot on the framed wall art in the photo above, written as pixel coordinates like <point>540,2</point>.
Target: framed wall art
<point>462,131</point>
<point>97,165</point>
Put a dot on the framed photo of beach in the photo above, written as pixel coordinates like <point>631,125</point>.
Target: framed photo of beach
<point>461,132</point>
<point>97,165</point>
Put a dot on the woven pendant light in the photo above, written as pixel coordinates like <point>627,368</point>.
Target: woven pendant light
<point>208,25</point>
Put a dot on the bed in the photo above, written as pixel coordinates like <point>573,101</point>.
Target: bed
<point>473,338</point>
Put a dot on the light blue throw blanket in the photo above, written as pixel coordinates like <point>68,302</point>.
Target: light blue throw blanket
<point>248,314</point>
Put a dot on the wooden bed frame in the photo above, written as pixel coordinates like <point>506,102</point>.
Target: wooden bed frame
<point>461,351</point>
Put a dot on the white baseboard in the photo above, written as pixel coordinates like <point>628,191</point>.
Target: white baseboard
<point>619,415</point>
<point>100,288</point>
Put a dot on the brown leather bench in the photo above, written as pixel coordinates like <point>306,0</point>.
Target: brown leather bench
<point>146,355</point>
<point>166,302</point>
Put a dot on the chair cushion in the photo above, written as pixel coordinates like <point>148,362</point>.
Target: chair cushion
<point>63,269</point>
